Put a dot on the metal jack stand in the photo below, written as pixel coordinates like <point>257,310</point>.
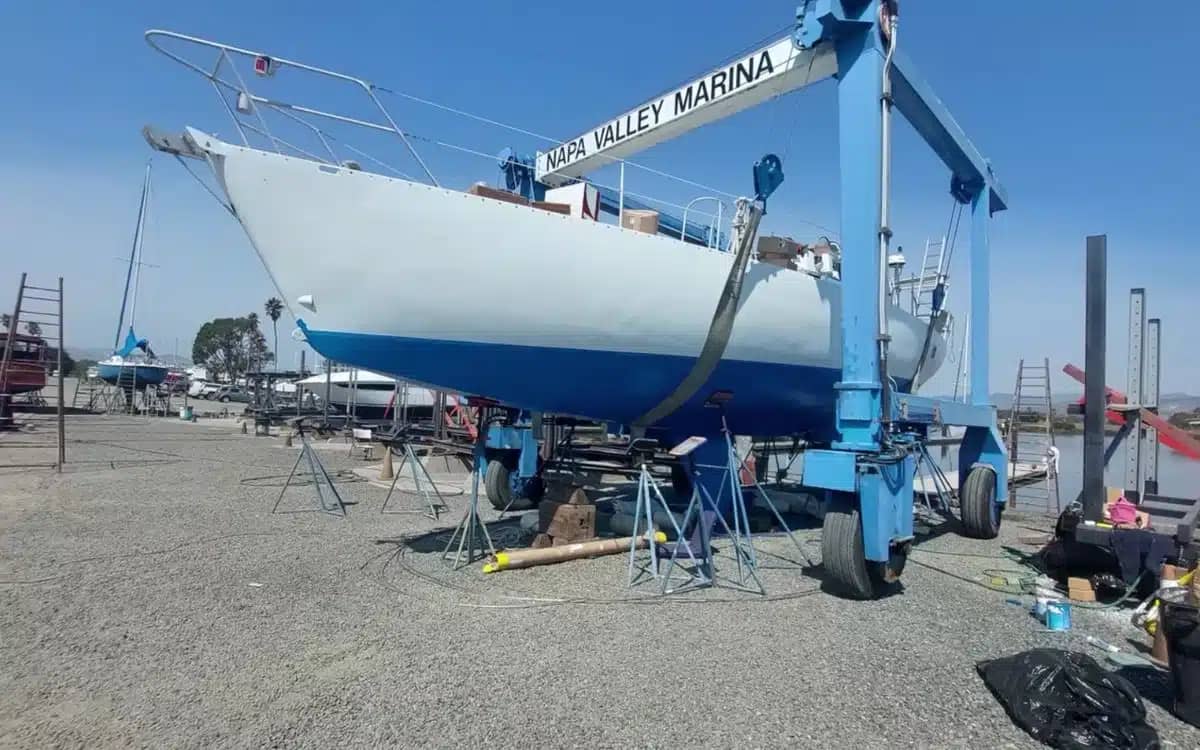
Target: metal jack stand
<point>328,497</point>
<point>471,532</point>
<point>703,511</point>
<point>418,469</point>
<point>762,493</point>
<point>647,568</point>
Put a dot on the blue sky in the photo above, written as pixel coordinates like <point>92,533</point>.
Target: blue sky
<point>1082,108</point>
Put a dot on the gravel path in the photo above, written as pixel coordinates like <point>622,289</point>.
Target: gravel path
<point>148,597</point>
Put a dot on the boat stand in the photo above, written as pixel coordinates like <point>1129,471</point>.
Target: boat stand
<point>702,514</point>
<point>646,567</point>
<point>471,532</point>
<point>434,507</point>
<point>328,498</point>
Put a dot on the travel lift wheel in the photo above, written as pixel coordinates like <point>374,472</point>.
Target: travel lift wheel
<point>502,484</point>
<point>844,559</point>
<point>977,506</point>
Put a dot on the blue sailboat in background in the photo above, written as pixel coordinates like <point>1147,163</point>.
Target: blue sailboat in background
<point>132,365</point>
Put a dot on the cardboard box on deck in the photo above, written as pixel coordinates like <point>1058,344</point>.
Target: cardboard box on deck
<point>483,190</point>
<point>554,208</point>
<point>778,251</point>
<point>640,220</point>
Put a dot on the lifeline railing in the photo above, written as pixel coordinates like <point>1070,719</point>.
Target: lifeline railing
<point>247,102</point>
<point>246,110</point>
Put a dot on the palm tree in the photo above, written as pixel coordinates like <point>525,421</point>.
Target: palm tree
<point>33,328</point>
<point>274,308</point>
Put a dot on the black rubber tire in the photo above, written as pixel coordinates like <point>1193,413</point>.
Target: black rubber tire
<point>535,490</point>
<point>842,552</point>
<point>980,517</point>
<point>224,399</point>
<point>681,483</point>
<point>495,482</point>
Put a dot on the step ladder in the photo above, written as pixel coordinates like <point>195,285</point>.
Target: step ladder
<point>1032,454</point>
<point>40,309</point>
<point>931,274</point>
<point>87,393</point>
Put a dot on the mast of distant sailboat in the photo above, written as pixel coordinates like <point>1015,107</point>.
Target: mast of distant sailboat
<point>135,261</point>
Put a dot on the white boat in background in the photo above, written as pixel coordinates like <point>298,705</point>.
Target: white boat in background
<point>369,395</point>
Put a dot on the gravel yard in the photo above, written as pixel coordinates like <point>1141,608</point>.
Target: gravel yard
<point>150,598</point>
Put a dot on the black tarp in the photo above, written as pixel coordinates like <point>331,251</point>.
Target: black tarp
<point>1067,700</point>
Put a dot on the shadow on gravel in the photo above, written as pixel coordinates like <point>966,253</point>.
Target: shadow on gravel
<point>1152,684</point>
<point>503,532</point>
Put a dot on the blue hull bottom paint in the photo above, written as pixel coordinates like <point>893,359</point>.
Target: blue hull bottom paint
<point>130,375</point>
<point>768,399</point>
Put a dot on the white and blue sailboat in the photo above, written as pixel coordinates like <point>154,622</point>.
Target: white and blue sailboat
<point>132,365</point>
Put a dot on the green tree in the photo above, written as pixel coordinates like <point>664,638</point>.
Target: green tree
<point>81,366</point>
<point>33,328</point>
<point>1180,419</point>
<point>5,320</point>
<point>230,346</point>
<point>274,308</point>
<point>68,364</point>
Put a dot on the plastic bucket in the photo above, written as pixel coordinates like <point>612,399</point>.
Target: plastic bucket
<point>1181,625</point>
<point>1058,616</point>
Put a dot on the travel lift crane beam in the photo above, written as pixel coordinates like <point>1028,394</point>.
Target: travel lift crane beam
<point>866,475</point>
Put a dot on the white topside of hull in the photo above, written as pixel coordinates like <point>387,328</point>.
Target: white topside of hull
<point>449,265</point>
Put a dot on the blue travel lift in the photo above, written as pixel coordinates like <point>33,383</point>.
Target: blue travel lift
<point>513,479</point>
<point>866,475</point>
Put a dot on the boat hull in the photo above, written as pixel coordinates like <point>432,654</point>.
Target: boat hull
<point>134,376</point>
<point>370,396</point>
<point>539,310</point>
<point>24,377</point>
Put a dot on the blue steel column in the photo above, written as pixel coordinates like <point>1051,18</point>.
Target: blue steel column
<point>981,215</point>
<point>860,134</point>
<point>982,445</point>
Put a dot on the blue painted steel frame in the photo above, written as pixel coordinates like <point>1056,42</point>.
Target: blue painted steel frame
<point>885,490</point>
<point>518,436</point>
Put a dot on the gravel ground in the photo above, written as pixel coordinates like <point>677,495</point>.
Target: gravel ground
<point>149,598</point>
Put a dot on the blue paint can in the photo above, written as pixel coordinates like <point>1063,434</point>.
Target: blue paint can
<point>1058,616</point>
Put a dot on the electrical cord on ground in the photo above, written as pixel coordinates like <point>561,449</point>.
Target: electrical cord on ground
<point>399,557</point>
<point>341,476</point>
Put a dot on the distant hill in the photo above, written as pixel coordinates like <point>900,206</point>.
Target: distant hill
<point>1169,403</point>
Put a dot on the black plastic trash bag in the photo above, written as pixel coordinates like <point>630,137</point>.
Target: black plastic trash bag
<point>1181,625</point>
<point>1067,700</point>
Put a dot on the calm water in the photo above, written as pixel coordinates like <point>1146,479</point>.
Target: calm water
<point>1177,476</point>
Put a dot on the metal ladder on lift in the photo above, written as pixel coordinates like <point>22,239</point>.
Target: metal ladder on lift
<point>931,274</point>
<point>1031,440</point>
<point>42,308</point>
